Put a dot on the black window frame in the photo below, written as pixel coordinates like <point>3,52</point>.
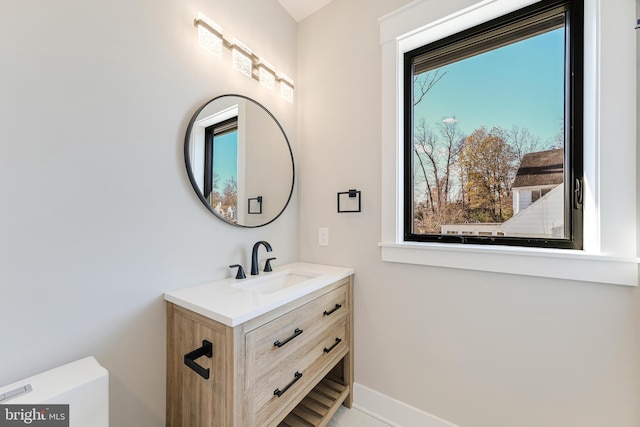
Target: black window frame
<point>573,126</point>
<point>210,133</point>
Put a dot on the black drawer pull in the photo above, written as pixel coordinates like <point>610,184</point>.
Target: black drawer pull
<point>295,334</point>
<point>279,392</point>
<point>327,313</point>
<point>338,341</point>
<point>190,358</point>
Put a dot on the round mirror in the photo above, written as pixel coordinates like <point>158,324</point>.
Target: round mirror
<point>239,161</point>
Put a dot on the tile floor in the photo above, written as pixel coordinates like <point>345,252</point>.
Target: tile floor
<point>354,418</point>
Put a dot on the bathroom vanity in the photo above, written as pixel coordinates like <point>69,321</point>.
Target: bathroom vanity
<point>271,350</point>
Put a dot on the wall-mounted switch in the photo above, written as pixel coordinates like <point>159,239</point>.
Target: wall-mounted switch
<point>323,236</point>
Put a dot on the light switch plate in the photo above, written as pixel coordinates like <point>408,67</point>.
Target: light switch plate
<point>323,236</point>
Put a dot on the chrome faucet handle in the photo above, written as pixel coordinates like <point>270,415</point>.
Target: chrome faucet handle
<point>267,265</point>
<point>240,274</point>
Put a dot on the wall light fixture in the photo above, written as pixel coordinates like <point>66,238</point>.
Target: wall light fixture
<point>210,36</point>
<point>267,74</point>
<point>211,39</point>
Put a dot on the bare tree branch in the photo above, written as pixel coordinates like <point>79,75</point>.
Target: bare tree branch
<point>424,82</point>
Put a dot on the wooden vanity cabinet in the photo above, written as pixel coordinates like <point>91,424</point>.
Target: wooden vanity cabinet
<point>292,366</point>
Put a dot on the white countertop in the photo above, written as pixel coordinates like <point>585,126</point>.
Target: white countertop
<point>229,301</point>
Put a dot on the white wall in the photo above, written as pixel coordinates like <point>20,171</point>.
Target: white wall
<point>476,349</point>
<point>97,216</point>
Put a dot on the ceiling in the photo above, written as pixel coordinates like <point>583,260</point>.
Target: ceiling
<point>300,9</point>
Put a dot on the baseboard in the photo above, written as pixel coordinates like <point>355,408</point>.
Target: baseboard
<point>391,411</point>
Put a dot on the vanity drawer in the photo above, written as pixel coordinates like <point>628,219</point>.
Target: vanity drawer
<point>283,383</point>
<point>276,341</point>
<point>286,355</point>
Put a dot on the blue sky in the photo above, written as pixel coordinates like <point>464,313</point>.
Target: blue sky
<point>521,84</point>
<point>225,158</point>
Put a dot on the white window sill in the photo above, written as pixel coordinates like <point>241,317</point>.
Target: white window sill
<point>551,263</point>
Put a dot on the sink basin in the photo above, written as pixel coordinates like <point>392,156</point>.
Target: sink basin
<point>274,282</point>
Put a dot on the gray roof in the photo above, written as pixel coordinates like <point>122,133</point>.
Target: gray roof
<point>541,168</point>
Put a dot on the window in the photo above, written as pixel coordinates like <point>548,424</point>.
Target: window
<point>609,215</point>
<point>493,132</point>
<point>221,168</point>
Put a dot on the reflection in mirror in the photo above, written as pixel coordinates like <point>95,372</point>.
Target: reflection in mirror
<point>221,168</point>
<point>239,161</point>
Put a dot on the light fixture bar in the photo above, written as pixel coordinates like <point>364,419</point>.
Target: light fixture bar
<point>243,59</point>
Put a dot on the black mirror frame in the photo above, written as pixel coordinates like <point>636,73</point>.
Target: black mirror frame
<point>187,143</point>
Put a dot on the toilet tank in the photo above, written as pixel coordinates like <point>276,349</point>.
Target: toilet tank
<point>83,385</point>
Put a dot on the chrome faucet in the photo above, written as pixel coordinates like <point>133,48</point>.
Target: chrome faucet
<point>254,256</point>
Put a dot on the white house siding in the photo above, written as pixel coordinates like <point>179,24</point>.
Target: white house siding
<point>544,218</point>
<point>521,199</point>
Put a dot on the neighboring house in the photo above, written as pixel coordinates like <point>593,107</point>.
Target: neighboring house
<point>543,218</point>
<point>538,174</point>
<point>538,201</point>
<point>538,196</point>
<point>473,229</point>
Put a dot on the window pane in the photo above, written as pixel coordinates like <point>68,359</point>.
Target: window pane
<point>489,141</point>
<point>225,175</point>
